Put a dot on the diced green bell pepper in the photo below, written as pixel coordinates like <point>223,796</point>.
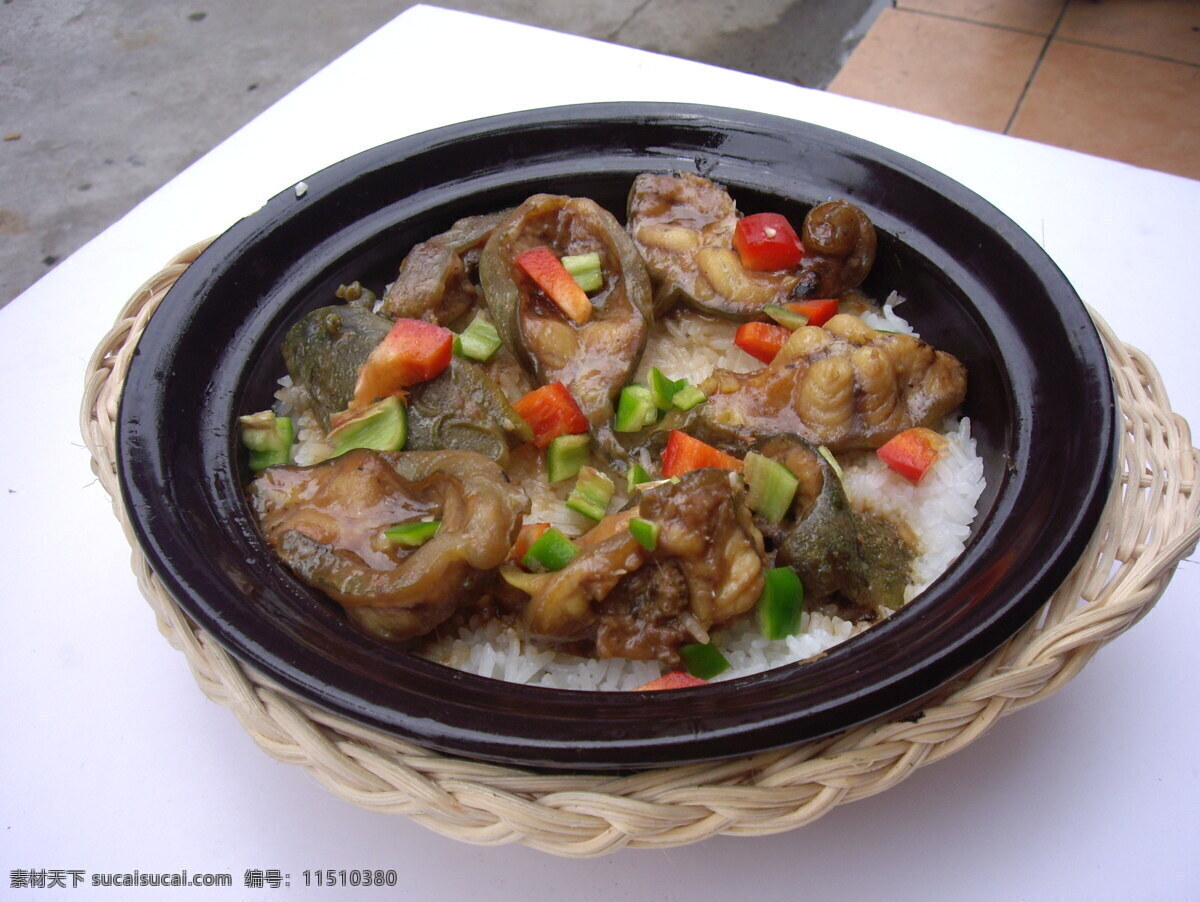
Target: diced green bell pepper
<point>415,534</point>
<point>479,341</point>
<point>585,270</point>
<point>771,487</point>
<point>788,318</point>
<point>662,389</point>
<point>592,493</point>
<point>645,531</point>
<point>635,409</point>
<point>688,397</point>
<point>551,551</point>
<point>635,476</point>
<point>382,426</point>
<point>781,603</point>
<point>268,438</point>
<point>566,455</point>
<point>704,661</point>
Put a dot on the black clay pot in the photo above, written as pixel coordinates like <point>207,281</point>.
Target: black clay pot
<point>1040,400</point>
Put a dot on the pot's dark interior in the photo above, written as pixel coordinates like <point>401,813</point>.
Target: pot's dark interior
<point>1040,403</point>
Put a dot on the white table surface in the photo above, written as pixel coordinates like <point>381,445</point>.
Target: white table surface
<point>114,760</point>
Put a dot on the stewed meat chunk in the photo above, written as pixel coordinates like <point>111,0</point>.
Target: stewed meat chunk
<point>843,385</point>
<point>683,226</point>
<point>327,523</point>
<point>438,280</point>
<point>625,600</point>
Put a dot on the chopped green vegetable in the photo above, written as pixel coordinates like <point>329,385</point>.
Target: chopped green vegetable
<point>771,487</point>
<point>551,551</point>
<point>673,393</point>
<point>566,455</point>
<point>781,603</point>
<point>704,661</point>
<point>585,269</point>
<point>645,531</point>
<point>268,438</point>
<point>635,409</point>
<point>788,318</point>
<point>479,341</point>
<point>635,476</point>
<point>382,426</point>
<point>832,461</point>
<point>662,389</point>
<point>413,535</point>
<point>688,397</point>
<point>592,493</point>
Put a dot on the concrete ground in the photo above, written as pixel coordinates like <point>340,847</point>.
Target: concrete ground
<point>101,103</point>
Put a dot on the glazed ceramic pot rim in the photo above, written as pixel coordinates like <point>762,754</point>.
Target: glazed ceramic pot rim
<point>203,351</point>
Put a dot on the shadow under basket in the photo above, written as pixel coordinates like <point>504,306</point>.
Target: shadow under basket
<point>1151,522</point>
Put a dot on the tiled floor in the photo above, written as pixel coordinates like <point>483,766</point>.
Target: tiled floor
<point>1114,78</point>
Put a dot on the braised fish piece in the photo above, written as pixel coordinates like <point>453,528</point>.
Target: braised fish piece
<point>327,523</point>
<point>683,226</point>
<point>438,278</point>
<point>624,600</point>
<point>843,385</point>
<point>596,358</point>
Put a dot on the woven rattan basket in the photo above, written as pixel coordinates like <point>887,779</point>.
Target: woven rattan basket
<point>1151,523</point>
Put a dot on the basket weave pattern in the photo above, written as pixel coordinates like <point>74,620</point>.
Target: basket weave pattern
<point>1152,521</point>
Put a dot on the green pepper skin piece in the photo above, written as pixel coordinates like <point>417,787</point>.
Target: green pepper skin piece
<point>645,531</point>
<point>688,397</point>
<point>566,455</point>
<point>551,551</point>
<point>789,319</point>
<point>585,270</point>
<point>703,661</point>
<point>635,476</point>
<point>635,409</point>
<point>781,604</point>
<point>324,351</point>
<point>413,535</point>
<point>771,486</point>
<point>592,493</point>
<point>382,426</point>
<point>479,341</point>
<point>268,439</point>
<point>662,389</point>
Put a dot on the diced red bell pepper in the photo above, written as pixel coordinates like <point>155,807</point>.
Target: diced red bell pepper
<point>551,411</point>
<point>912,452</point>
<point>767,241</point>
<point>819,310</point>
<point>676,679</point>
<point>413,351</point>
<point>684,454</point>
<point>761,340</point>
<point>560,286</point>
<point>529,534</point>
